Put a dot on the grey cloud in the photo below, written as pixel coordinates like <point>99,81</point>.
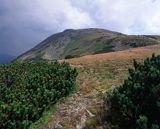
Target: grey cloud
<point>24,23</point>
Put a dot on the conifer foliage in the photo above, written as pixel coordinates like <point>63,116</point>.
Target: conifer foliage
<point>28,89</point>
<point>136,104</point>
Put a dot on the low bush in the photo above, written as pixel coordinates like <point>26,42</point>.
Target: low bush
<point>136,103</point>
<point>28,89</point>
<point>71,56</point>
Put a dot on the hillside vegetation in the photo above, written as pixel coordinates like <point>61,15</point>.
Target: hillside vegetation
<point>98,74</point>
<point>136,103</point>
<point>28,89</point>
<point>75,43</point>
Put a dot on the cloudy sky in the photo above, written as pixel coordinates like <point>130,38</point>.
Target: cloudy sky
<point>24,23</point>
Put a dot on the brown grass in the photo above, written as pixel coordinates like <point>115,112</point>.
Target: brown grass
<point>97,74</point>
<point>131,53</point>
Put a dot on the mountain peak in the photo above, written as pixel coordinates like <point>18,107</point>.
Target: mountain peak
<point>79,42</point>
<point>68,30</point>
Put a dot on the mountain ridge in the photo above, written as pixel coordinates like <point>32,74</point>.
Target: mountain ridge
<point>80,42</point>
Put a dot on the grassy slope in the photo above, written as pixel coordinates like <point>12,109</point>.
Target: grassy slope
<point>97,74</point>
<point>84,42</point>
<point>84,45</point>
<point>95,44</point>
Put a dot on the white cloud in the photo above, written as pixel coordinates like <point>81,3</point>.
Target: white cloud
<point>128,16</point>
<point>56,14</point>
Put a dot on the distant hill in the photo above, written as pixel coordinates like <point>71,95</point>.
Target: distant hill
<point>5,59</point>
<point>74,43</point>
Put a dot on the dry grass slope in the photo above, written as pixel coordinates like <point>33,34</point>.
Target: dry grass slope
<point>97,74</point>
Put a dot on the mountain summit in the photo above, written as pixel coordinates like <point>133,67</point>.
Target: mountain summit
<point>74,43</point>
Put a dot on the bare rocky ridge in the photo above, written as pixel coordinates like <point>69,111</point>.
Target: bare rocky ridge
<point>85,42</point>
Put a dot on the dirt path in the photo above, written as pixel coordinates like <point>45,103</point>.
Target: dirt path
<point>97,74</point>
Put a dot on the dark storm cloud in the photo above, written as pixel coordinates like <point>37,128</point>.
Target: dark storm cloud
<point>17,34</point>
<point>24,23</point>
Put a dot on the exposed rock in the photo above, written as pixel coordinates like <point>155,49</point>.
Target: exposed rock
<point>90,114</point>
<point>81,124</point>
<point>57,126</point>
